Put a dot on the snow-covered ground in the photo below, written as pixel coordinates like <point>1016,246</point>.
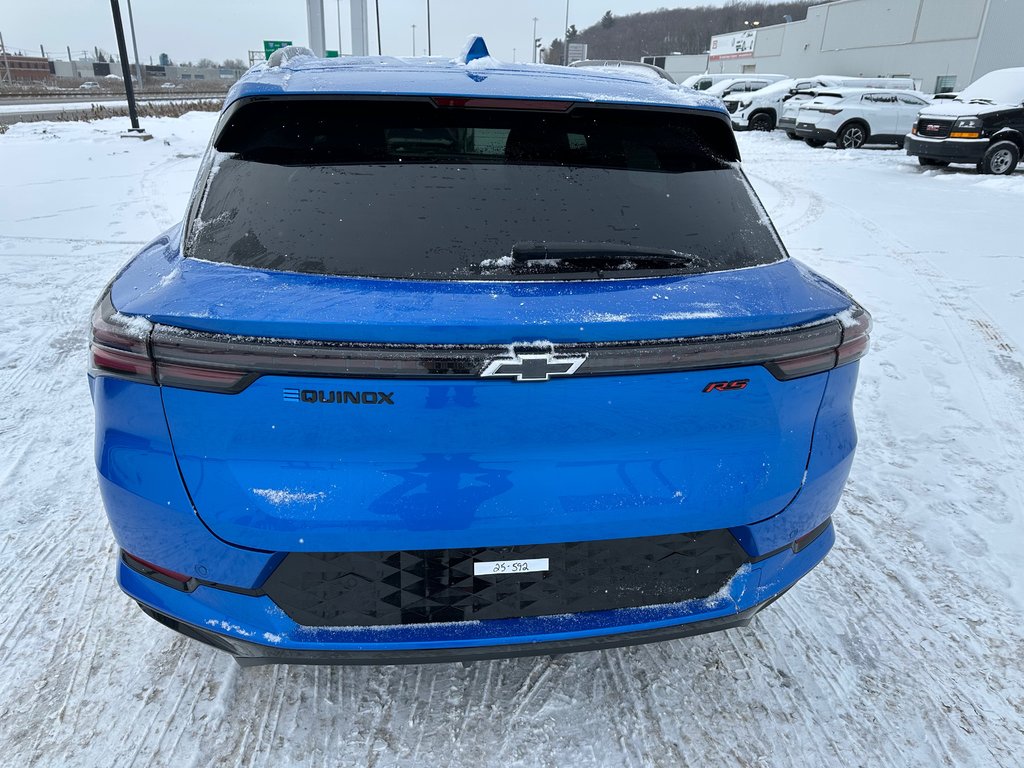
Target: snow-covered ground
<point>903,649</point>
<point>74,106</point>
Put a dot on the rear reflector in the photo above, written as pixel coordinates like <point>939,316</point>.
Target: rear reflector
<point>131,348</point>
<point>163,575</point>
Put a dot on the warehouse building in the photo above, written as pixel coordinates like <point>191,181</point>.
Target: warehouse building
<point>943,44</point>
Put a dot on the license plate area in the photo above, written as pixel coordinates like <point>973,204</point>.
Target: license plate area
<point>508,567</point>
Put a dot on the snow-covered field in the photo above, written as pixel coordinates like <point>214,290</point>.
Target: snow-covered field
<point>904,648</point>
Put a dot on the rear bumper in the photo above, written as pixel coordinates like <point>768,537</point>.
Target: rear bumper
<point>255,631</point>
<point>786,124</point>
<point>806,131</point>
<point>249,654</point>
<point>946,150</point>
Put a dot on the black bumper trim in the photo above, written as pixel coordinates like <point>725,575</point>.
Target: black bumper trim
<point>968,151</point>
<point>814,133</point>
<point>254,654</point>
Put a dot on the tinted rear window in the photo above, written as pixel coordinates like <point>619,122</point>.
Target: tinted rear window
<point>409,189</point>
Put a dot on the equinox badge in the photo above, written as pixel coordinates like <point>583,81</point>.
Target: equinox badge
<point>533,366</point>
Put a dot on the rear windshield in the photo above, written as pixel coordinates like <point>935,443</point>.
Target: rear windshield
<point>414,189</point>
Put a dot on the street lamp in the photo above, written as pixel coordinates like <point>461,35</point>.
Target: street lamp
<point>413,39</point>
<point>535,42</point>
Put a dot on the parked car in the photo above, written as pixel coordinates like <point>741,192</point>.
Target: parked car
<point>745,84</point>
<point>89,85</point>
<point>853,117</point>
<point>633,67</point>
<point>168,86</point>
<point>764,110</point>
<point>705,81</point>
<point>396,390</point>
<point>983,126</point>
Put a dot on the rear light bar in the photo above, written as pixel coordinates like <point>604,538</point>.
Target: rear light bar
<point>177,357</point>
<point>544,105</point>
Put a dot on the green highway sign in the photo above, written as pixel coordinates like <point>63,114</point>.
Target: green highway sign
<point>331,54</point>
<point>269,46</point>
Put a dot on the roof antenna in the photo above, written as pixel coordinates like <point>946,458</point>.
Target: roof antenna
<point>474,49</point>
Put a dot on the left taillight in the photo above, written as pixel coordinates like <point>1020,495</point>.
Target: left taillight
<point>119,344</point>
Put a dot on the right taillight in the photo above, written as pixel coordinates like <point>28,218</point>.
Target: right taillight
<point>853,345</point>
<point>119,344</point>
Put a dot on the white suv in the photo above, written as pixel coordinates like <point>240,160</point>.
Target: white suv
<point>853,117</point>
<point>764,110</point>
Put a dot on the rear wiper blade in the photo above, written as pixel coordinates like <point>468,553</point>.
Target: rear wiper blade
<point>530,251</point>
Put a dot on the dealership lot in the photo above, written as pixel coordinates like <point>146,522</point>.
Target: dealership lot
<point>902,648</point>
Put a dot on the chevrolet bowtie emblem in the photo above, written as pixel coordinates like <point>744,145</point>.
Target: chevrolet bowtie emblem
<point>533,366</point>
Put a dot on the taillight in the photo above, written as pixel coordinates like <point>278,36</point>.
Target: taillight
<point>462,102</point>
<point>132,348</point>
<point>122,346</point>
<point>119,344</point>
<point>853,345</point>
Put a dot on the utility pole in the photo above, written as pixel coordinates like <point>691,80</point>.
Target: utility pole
<point>135,45</point>
<point>69,53</point>
<point>6,77</point>
<point>534,46</point>
<point>429,51</point>
<point>413,39</point>
<point>129,90</point>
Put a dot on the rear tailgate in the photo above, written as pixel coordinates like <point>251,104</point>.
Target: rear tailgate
<point>338,462</point>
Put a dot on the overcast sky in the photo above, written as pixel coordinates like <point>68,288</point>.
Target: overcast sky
<point>219,29</point>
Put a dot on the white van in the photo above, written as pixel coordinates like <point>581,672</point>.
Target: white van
<point>763,109</point>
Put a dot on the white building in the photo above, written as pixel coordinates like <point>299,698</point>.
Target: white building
<point>943,44</point>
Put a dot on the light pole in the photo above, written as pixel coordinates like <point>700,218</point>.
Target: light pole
<point>534,46</point>
<point>135,45</point>
<point>413,39</point>
<point>129,91</point>
<point>429,51</point>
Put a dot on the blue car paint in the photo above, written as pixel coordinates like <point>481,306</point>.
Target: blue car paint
<point>828,466</point>
<point>395,77</point>
<point>258,620</point>
<point>167,288</point>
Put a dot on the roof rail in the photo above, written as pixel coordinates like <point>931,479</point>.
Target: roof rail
<point>283,55</point>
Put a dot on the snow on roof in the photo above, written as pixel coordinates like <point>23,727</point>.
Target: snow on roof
<point>1003,86</point>
<point>481,77</point>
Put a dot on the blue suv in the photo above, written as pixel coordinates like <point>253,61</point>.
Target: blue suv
<point>461,360</point>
